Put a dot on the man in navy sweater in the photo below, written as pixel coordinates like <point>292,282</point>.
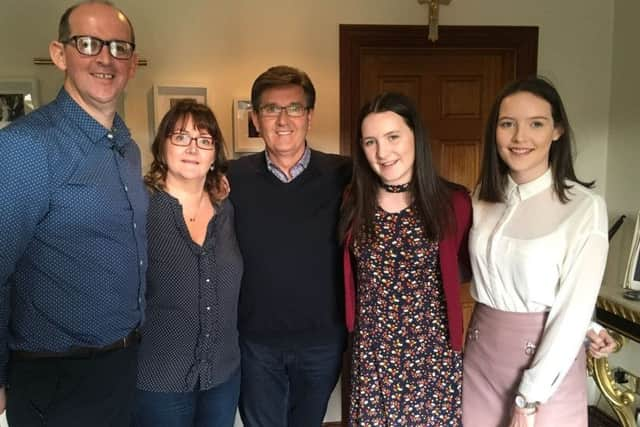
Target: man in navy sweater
<point>287,202</point>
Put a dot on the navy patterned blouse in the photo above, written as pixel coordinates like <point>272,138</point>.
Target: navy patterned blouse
<point>190,335</point>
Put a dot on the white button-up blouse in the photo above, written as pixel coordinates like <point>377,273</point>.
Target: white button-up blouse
<point>535,253</point>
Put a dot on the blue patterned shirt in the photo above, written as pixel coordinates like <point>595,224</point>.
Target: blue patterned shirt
<point>72,232</point>
<point>295,171</point>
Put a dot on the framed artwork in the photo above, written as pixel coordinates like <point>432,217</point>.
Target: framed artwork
<point>17,98</point>
<point>632,275</point>
<point>164,97</point>
<point>246,138</point>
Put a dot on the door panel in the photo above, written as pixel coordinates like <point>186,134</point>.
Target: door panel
<point>459,160</point>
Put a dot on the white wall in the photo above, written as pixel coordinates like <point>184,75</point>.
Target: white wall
<point>224,45</point>
<point>623,172</point>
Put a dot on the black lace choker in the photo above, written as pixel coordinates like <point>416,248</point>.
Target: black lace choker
<point>401,188</point>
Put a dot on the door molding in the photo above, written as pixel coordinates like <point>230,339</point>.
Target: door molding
<point>522,41</point>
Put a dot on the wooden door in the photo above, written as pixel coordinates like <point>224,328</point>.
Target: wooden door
<point>452,82</point>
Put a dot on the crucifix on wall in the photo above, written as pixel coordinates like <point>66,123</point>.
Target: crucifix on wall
<point>434,9</point>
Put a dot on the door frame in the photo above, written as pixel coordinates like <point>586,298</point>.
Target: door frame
<point>522,41</point>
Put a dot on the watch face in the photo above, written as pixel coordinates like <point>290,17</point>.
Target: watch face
<point>522,403</point>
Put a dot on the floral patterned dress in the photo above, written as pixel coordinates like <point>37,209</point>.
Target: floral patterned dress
<point>404,371</point>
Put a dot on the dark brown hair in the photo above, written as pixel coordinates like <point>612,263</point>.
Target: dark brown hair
<point>203,119</point>
<point>282,75</point>
<point>430,192</point>
<point>494,171</point>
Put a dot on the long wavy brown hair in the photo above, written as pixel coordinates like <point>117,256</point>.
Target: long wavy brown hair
<point>204,120</point>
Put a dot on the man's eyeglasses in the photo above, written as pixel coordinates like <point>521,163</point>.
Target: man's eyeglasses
<point>294,109</point>
<point>184,140</point>
<point>91,46</point>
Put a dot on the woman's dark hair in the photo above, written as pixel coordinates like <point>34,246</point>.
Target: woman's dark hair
<point>494,171</point>
<point>431,193</point>
<point>175,119</point>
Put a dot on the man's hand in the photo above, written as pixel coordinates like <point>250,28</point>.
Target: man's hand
<point>3,400</point>
<point>601,344</point>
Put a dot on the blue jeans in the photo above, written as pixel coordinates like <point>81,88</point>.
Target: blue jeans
<point>215,407</point>
<point>287,386</point>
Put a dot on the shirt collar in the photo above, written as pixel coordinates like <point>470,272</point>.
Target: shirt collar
<point>89,126</point>
<point>529,189</point>
<point>295,171</point>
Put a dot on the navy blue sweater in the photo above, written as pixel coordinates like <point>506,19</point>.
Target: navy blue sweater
<point>292,289</point>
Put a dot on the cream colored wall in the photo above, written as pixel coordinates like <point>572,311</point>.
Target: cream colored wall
<point>623,172</point>
<point>224,45</point>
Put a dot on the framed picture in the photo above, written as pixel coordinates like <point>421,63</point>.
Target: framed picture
<point>632,275</point>
<point>164,97</point>
<point>17,98</point>
<point>246,138</point>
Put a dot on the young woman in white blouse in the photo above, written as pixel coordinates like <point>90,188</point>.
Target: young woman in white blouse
<point>538,249</point>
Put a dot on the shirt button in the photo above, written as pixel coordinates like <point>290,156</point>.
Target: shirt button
<point>207,280</point>
<point>208,308</point>
<point>134,225</point>
<point>206,335</point>
<point>110,135</point>
<point>126,188</point>
<point>141,262</point>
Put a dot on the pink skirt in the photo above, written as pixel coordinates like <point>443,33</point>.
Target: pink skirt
<point>499,347</point>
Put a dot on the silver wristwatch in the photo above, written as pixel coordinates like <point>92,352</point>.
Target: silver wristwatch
<point>522,403</point>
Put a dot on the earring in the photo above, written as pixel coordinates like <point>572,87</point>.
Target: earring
<point>212,167</point>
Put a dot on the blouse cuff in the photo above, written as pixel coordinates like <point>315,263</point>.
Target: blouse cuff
<point>533,392</point>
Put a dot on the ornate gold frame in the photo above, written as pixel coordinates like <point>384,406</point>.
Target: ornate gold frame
<point>621,400</point>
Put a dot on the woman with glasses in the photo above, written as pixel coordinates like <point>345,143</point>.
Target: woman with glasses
<point>189,359</point>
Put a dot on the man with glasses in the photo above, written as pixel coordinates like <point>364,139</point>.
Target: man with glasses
<point>72,247</point>
<point>287,202</point>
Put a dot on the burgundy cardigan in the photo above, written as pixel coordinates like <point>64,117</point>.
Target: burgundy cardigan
<point>453,252</point>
